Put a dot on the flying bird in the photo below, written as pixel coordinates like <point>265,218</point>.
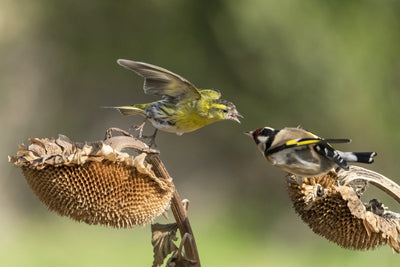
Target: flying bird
<point>183,107</point>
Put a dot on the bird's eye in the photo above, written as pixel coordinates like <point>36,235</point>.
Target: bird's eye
<point>225,111</point>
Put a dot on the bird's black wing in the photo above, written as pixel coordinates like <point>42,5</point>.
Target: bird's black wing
<point>325,149</point>
<point>294,143</point>
<point>321,146</point>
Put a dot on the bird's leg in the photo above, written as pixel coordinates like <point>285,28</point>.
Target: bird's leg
<point>140,128</point>
<point>152,139</point>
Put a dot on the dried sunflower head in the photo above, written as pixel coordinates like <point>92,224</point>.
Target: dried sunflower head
<point>330,204</point>
<point>96,183</point>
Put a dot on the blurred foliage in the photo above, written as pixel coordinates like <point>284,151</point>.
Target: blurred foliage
<point>330,66</point>
<point>59,243</point>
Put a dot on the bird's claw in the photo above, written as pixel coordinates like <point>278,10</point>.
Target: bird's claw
<point>139,128</point>
<point>152,138</point>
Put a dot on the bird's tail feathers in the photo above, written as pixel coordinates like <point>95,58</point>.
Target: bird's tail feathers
<point>132,110</point>
<point>362,157</point>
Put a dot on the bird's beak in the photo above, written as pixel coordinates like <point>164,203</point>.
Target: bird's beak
<point>234,116</point>
<point>249,133</point>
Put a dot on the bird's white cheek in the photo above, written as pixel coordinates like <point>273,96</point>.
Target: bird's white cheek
<point>263,139</point>
<point>261,147</point>
<point>262,143</point>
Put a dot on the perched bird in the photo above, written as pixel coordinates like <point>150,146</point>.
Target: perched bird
<point>302,153</point>
<point>183,108</point>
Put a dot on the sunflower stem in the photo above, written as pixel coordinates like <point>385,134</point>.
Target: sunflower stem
<point>178,211</point>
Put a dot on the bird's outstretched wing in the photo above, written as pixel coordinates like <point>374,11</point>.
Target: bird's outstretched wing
<point>159,81</point>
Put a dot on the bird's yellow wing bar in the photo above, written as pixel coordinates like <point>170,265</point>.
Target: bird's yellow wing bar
<point>304,142</point>
<point>159,81</point>
<point>308,141</point>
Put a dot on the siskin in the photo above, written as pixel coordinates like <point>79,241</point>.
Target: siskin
<point>302,153</point>
<point>183,108</point>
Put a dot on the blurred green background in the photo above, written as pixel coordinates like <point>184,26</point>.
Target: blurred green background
<point>332,67</point>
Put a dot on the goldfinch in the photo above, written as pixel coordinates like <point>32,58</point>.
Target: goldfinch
<point>302,153</point>
<point>183,108</point>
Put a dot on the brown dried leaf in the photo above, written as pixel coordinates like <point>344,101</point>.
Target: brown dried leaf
<point>179,258</point>
<point>163,237</point>
<point>176,261</point>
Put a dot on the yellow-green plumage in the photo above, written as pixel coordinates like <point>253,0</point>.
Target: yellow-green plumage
<point>183,108</point>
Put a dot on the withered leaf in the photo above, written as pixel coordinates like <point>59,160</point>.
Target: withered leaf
<point>176,261</point>
<point>163,237</point>
<point>179,259</point>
